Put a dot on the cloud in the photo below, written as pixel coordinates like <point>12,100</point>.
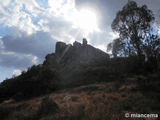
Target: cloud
<point>16,72</point>
<point>13,60</point>
<point>113,35</point>
<point>49,16</point>
<point>43,3</point>
<point>18,14</point>
<point>37,44</point>
<point>1,44</point>
<point>25,50</point>
<point>34,28</point>
<point>6,2</point>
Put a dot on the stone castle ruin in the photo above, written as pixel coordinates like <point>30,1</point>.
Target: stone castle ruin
<point>66,53</point>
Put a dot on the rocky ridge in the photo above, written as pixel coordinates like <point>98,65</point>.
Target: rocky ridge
<point>67,53</point>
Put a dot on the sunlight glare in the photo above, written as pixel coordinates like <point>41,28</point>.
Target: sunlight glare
<point>86,20</point>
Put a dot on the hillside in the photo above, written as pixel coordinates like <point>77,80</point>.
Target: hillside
<point>105,89</point>
<point>68,66</point>
<point>98,101</point>
<point>84,85</point>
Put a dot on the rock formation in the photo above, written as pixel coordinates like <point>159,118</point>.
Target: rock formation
<point>67,53</point>
<point>48,106</point>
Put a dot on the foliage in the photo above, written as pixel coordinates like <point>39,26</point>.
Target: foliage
<point>121,48</point>
<point>35,81</point>
<point>137,35</point>
<point>133,23</point>
<point>38,80</point>
<point>158,19</point>
<point>18,96</point>
<point>105,103</point>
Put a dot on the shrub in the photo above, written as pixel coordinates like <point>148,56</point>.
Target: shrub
<point>4,111</point>
<point>18,96</point>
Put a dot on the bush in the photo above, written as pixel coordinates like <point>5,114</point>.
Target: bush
<point>18,96</point>
<point>4,112</point>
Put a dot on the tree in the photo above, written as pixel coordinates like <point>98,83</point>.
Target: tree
<point>133,23</point>
<point>121,48</point>
<point>116,47</point>
<point>151,49</point>
<point>158,19</point>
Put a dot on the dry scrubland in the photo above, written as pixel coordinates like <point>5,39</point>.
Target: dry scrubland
<point>101,101</point>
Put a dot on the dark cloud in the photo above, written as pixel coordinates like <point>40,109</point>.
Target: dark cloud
<point>36,44</point>
<point>25,50</point>
<point>1,44</point>
<point>20,61</point>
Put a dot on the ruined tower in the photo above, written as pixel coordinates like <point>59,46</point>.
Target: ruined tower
<point>84,42</point>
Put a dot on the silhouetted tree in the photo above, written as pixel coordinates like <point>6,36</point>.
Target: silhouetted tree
<point>133,23</point>
<point>121,48</point>
<point>158,19</point>
<point>134,26</point>
<point>151,49</point>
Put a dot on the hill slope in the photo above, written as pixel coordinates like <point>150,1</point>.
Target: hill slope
<point>90,102</point>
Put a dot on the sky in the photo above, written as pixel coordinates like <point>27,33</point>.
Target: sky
<point>29,29</point>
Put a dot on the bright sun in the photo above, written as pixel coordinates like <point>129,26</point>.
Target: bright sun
<point>86,20</point>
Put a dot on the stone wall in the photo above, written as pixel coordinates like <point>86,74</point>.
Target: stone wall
<point>60,47</point>
<point>67,53</point>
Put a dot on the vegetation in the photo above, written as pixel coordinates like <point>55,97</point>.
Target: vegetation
<point>136,34</point>
<point>95,89</point>
<point>36,81</point>
<point>105,101</point>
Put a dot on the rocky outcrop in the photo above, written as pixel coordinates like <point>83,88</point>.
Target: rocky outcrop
<point>48,106</point>
<point>67,53</point>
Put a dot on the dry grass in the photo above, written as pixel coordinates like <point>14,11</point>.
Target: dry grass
<point>104,103</point>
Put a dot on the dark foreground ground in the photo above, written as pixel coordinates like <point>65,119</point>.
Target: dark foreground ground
<point>100,101</point>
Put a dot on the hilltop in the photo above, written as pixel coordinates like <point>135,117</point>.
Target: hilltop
<point>66,54</point>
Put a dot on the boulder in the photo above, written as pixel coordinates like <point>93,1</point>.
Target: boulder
<point>88,92</point>
<point>48,106</point>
